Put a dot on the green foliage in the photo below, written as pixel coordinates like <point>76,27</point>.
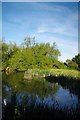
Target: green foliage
<point>59,65</point>
<point>8,51</point>
<point>54,52</point>
<point>53,72</point>
<point>28,42</point>
<point>4,55</point>
<point>77,60</point>
<point>31,55</point>
<point>71,64</point>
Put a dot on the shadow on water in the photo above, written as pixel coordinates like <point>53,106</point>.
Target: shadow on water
<point>67,83</point>
<point>35,100</point>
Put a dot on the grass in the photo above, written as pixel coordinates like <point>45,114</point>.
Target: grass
<point>53,72</point>
<point>65,72</point>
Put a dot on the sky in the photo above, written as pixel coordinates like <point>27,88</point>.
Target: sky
<point>40,0</point>
<point>47,22</point>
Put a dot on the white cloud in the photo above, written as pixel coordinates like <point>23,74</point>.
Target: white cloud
<point>65,27</point>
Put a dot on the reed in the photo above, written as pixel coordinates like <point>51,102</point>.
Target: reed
<point>52,72</point>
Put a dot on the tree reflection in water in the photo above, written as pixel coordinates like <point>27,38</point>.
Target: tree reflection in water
<point>37,99</point>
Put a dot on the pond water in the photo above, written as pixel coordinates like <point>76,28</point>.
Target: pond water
<point>39,92</point>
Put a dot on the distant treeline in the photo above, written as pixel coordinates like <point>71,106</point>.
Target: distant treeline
<point>34,55</point>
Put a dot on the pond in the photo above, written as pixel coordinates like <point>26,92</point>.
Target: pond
<point>40,98</point>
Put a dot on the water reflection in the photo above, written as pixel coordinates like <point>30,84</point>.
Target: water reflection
<point>72,85</point>
<point>58,96</point>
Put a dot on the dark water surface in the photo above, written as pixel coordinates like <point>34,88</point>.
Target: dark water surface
<point>22,96</point>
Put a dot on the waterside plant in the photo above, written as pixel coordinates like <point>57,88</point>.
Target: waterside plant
<point>31,73</point>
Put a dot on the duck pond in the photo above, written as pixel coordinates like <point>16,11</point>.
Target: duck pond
<point>40,98</point>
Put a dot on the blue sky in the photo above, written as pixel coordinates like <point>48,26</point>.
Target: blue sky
<point>40,0</point>
<point>48,22</point>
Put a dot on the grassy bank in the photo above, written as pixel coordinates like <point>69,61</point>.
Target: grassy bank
<point>52,72</point>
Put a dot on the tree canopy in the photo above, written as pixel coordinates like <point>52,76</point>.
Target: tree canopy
<point>33,55</point>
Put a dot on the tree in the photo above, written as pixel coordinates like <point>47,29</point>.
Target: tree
<point>77,60</point>
<point>71,64</point>
<point>54,52</point>
<point>4,54</point>
<point>31,55</point>
<point>28,42</point>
